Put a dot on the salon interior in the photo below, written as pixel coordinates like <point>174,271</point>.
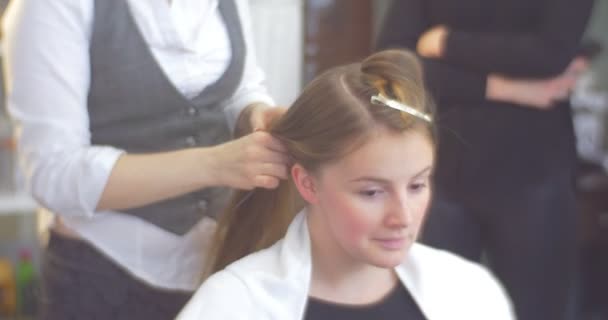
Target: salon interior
<point>313,36</point>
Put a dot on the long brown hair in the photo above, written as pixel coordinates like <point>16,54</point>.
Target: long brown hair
<point>332,117</point>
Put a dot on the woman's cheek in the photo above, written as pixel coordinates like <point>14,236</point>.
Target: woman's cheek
<point>356,215</point>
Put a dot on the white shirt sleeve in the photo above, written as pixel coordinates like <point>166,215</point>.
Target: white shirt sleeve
<point>46,59</point>
<point>252,87</point>
<point>47,80</point>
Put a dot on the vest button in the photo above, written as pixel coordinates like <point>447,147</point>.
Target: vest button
<point>192,111</point>
<point>202,205</point>
<point>190,141</point>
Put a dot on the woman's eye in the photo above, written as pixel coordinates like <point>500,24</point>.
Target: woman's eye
<point>370,193</point>
<point>419,186</point>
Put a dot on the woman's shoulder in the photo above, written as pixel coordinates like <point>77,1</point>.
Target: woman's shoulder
<point>232,292</point>
<point>425,254</point>
<point>283,259</point>
<point>259,261</point>
<point>453,278</point>
<point>449,265</point>
<point>222,296</point>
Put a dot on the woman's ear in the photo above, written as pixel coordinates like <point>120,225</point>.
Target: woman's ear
<point>305,183</point>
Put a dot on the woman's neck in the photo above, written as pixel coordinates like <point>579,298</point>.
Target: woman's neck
<point>339,278</point>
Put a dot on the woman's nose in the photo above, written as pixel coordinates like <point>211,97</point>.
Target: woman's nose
<point>400,214</point>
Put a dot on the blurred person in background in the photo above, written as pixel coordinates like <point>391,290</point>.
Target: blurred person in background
<point>501,73</point>
<point>123,110</point>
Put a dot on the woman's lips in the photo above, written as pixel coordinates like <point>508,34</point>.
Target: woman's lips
<point>391,243</point>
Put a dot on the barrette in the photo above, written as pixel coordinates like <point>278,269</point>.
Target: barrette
<point>380,99</point>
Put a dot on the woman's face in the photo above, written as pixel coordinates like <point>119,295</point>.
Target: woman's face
<point>370,204</point>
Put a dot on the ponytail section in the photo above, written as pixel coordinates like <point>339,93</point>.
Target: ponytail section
<point>254,220</point>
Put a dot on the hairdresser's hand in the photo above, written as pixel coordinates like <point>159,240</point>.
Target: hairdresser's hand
<point>432,42</point>
<point>262,116</point>
<point>255,160</point>
<point>256,117</point>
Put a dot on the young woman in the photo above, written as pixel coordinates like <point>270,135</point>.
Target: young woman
<point>362,144</point>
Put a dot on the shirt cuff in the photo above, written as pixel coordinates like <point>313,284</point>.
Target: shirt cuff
<point>98,170</point>
<point>72,183</point>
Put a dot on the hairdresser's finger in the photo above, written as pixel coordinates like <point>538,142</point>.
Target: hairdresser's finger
<point>258,124</point>
<point>276,145</point>
<point>272,115</point>
<point>267,140</point>
<point>278,158</point>
<point>259,154</point>
<point>256,115</point>
<point>266,182</point>
<point>263,116</point>
<point>266,117</point>
<point>274,170</point>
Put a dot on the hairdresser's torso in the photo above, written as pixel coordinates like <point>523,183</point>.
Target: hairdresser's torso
<point>186,48</point>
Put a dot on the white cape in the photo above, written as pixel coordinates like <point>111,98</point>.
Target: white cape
<point>273,284</point>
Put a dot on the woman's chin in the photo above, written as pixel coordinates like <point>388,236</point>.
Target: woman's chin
<point>388,259</point>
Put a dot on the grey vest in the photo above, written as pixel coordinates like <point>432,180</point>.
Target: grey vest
<point>134,106</point>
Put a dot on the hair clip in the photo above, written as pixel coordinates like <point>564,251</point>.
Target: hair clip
<point>380,99</point>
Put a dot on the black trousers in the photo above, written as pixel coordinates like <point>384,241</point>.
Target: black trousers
<point>78,282</point>
<point>528,242</point>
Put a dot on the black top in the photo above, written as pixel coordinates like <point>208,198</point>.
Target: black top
<point>518,38</point>
<point>398,304</point>
<point>490,149</point>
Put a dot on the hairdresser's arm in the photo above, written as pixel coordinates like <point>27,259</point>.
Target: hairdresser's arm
<point>255,160</point>
<point>540,53</point>
<point>47,66</point>
<point>256,117</point>
<point>46,60</point>
<point>403,25</point>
